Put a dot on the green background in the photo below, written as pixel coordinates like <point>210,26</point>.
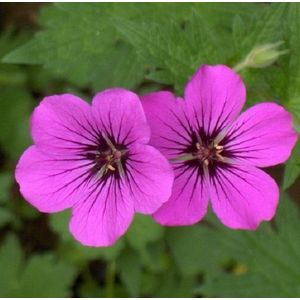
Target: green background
<point>84,48</point>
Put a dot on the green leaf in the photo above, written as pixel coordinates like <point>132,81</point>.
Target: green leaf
<point>90,289</point>
<point>175,286</point>
<point>10,262</point>
<point>191,250</point>
<point>5,216</point>
<point>5,185</point>
<point>266,27</point>
<point>15,107</point>
<point>238,31</point>
<point>292,168</point>
<point>143,231</point>
<point>174,52</point>
<point>130,271</point>
<point>79,44</point>
<point>39,276</point>
<point>269,257</point>
<point>291,67</point>
<point>11,75</point>
<point>293,26</point>
<point>44,276</point>
<point>162,46</point>
<point>72,250</point>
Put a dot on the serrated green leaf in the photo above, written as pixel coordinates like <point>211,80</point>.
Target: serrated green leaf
<point>270,256</point>
<point>266,26</point>
<point>161,46</point>
<point>79,44</point>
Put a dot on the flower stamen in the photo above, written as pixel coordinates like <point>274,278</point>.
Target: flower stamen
<point>205,154</point>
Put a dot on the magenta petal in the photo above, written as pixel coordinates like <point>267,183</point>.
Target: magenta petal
<point>215,95</point>
<point>104,214</point>
<point>188,202</point>
<point>61,124</point>
<point>51,184</point>
<point>170,126</point>
<point>150,178</point>
<point>263,135</point>
<point>243,196</point>
<point>120,115</point>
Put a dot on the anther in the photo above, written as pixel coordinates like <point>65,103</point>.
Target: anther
<point>219,148</point>
<point>110,167</point>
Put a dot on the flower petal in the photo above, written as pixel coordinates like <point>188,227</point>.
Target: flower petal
<point>51,184</point>
<point>263,135</point>
<point>170,126</point>
<point>216,95</point>
<point>121,116</point>
<point>243,196</point>
<point>104,215</point>
<point>62,124</point>
<point>188,202</point>
<point>150,178</point>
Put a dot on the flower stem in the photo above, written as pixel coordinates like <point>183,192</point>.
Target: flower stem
<point>240,66</point>
<point>110,279</point>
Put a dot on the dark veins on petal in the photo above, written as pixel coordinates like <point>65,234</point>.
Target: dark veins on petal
<point>202,151</point>
<point>104,154</point>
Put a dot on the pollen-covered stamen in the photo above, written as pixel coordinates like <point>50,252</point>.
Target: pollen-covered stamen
<point>108,158</point>
<point>203,153</point>
<point>110,161</point>
<point>206,154</point>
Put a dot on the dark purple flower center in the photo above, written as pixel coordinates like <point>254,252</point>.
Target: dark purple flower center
<point>206,154</point>
<point>108,158</point>
<point>202,154</point>
<point>109,161</point>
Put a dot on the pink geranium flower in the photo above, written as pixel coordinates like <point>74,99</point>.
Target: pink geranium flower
<point>95,160</point>
<point>215,153</point>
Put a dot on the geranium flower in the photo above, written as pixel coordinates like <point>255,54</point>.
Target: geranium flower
<point>95,160</point>
<point>215,153</point>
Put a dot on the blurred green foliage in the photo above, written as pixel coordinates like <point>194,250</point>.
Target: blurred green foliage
<point>83,48</point>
